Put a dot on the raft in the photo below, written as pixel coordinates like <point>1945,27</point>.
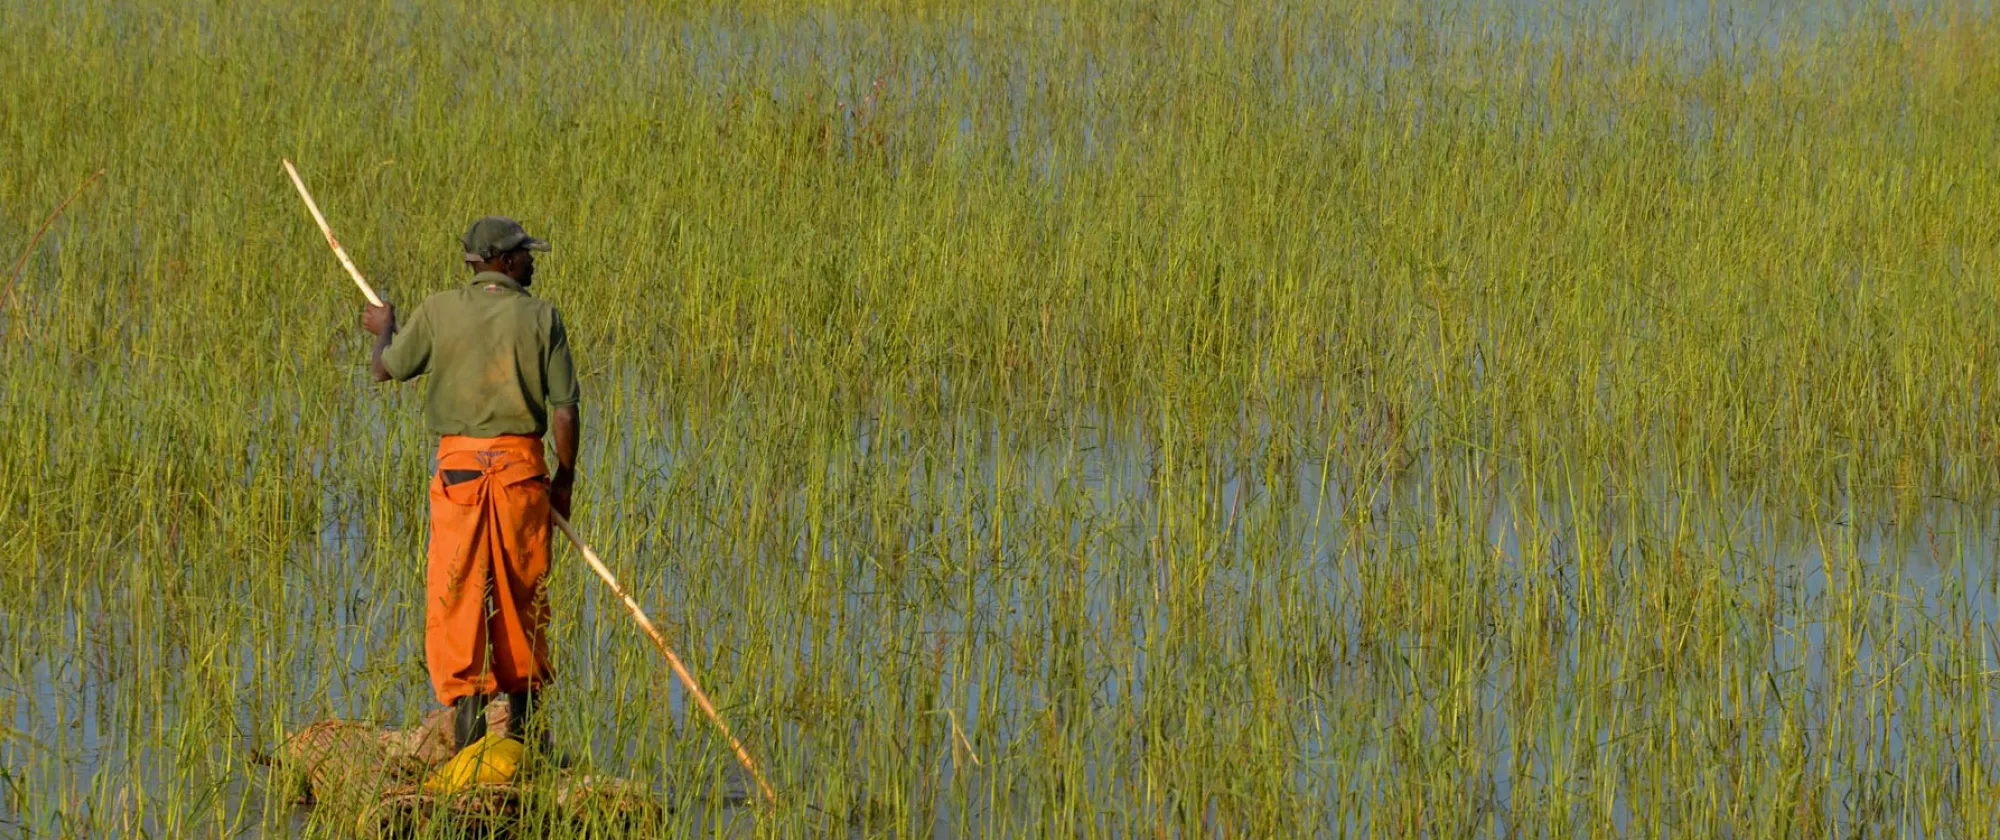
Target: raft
<point>342,767</point>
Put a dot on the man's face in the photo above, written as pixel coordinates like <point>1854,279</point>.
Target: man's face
<point>520,265</point>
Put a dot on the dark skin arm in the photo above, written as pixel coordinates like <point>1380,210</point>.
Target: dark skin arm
<point>380,320</point>
<point>567,424</point>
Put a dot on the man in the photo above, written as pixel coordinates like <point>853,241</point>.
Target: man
<point>501,376</point>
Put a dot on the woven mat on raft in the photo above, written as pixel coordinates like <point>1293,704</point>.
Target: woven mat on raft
<point>351,767</point>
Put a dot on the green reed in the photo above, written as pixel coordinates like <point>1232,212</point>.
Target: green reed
<point>1081,420</point>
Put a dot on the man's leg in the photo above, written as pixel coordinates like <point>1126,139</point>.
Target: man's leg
<point>520,607</point>
<point>455,593</point>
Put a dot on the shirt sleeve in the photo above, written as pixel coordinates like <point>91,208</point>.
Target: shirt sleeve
<point>409,353</point>
<point>561,369</point>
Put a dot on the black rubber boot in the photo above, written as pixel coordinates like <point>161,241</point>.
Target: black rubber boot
<point>524,726</point>
<point>468,719</point>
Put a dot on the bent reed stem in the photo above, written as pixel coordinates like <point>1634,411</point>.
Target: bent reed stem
<point>14,275</point>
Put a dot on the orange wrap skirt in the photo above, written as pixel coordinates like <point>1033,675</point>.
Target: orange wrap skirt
<point>485,614</point>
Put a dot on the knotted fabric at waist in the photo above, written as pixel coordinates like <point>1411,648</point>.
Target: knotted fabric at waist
<point>509,458</point>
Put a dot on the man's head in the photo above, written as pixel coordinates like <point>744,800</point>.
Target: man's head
<point>499,244</point>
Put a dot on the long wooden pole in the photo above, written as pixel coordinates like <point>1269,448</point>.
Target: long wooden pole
<point>680,670</point>
<point>367,291</point>
<point>596,565</point>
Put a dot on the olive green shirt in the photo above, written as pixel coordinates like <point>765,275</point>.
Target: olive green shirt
<point>498,359</point>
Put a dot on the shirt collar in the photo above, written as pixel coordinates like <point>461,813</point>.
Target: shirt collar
<point>495,278</point>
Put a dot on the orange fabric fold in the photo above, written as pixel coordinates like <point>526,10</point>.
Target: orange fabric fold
<point>484,609</point>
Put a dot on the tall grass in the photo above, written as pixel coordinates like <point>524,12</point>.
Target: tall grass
<point>1079,420</point>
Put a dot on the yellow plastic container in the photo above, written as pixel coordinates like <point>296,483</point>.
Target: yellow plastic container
<point>492,760</point>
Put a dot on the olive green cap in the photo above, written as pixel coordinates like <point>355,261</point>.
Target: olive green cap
<point>495,235</point>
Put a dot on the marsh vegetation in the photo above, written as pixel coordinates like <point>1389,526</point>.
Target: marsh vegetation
<point>1191,419</point>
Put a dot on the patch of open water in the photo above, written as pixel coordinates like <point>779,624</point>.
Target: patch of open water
<point>69,741</point>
